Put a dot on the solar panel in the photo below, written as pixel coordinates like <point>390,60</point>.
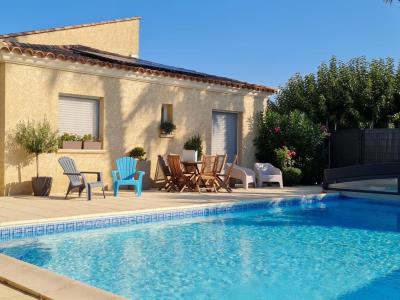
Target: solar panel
<point>143,63</point>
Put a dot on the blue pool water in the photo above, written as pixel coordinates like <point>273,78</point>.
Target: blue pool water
<point>341,248</point>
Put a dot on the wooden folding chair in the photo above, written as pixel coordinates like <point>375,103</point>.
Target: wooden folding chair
<point>208,173</point>
<point>179,179</point>
<point>166,175</point>
<point>223,179</point>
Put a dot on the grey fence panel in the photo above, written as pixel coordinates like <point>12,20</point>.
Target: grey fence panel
<point>345,148</point>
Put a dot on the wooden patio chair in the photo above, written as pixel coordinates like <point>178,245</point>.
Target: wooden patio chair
<point>167,184</point>
<point>179,179</point>
<point>78,180</point>
<point>208,173</point>
<point>223,179</point>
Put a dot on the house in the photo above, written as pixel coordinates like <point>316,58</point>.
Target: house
<point>88,79</point>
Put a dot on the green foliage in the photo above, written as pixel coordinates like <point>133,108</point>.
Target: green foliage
<point>194,143</point>
<point>89,138</point>
<point>285,157</point>
<point>298,133</point>
<point>353,94</point>
<point>138,153</point>
<point>36,138</point>
<point>167,127</point>
<point>69,137</point>
<point>291,176</point>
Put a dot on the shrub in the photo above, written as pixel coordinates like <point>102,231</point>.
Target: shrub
<point>194,143</point>
<point>291,176</point>
<point>36,138</point>
<point>67,137</point>
<point>298,133</point>
<point>167,127</point>
<point>138,153</point>
<point>88,138</point>
<point>285,157</point>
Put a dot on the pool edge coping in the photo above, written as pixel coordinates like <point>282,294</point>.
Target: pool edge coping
<point>44,284</point>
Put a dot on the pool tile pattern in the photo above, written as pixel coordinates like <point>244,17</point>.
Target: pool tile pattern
<point>35,230</point>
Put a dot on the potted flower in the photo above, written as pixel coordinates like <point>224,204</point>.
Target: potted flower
<point>285,157</point>
<point>70,141</point>
<point>90,142</point>
<point>37,138</point>
<point>193,148</point>
<point>142,165</point>
<point>167,129</point>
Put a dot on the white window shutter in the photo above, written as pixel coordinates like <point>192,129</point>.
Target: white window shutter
<point>78,116</point>
<point>224,134</point>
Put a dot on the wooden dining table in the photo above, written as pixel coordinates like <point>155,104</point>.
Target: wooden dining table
<point>192,166</point>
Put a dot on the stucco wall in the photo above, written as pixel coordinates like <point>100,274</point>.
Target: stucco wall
<point>117,37</point>
<point>2,122</point>
<point>132,111</point>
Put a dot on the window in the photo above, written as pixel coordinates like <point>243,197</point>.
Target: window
<point>166,113</point>
<point>78,115</point>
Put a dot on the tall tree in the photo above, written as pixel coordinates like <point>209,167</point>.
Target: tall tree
<point>354,94</point>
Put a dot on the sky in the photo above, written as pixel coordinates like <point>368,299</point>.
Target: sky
<point>259,41</point>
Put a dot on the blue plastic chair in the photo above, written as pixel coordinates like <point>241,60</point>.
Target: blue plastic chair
<point>125,175</point>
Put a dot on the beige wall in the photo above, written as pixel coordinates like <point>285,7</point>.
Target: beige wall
<point>2,124</point>
<point>118,37</point>
<point>132,111</point>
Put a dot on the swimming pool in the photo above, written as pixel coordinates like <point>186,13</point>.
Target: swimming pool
<point>339,248</point>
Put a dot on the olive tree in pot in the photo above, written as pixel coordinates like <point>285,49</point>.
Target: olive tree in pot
<point>37,138</point>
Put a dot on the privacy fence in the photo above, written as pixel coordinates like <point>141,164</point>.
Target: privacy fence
<point>364,146</point>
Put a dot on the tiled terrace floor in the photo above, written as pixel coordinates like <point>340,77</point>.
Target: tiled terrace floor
<point>26,209</point>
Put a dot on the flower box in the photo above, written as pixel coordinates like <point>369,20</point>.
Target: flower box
<point>90,145</point>
<point>72,145</point>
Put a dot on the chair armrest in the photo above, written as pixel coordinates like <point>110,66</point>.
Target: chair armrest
<point>115,175</point>
<point>276,171</point>
<point>72,173</point>
<point>90,172</point>
<point>141,174</point>
<point>258,172</point>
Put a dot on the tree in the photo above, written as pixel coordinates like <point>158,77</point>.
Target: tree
<point>354,94</point>
<point>36,138</point>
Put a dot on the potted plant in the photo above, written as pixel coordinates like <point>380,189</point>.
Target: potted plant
<point>167,129</point>
<point>285,157</point>
<point>37,138</point>
<point>142,165</point>
<point>193,148</point>
<point>90,142</point>
<point>70,141</point>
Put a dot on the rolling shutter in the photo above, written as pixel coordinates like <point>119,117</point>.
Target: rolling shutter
<point>78,116</point>
<point>224,134</point>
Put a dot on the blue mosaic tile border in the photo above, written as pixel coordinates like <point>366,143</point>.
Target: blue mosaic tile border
<point>40,229</point>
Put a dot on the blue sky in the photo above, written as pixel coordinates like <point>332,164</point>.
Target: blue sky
<point>260,41</point>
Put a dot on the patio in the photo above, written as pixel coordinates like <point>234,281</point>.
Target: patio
<point>29,209</point>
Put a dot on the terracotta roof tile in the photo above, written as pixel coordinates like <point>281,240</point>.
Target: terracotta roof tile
<point>91,56</point>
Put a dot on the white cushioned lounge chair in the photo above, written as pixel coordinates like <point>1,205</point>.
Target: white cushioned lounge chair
<point>266,172</point>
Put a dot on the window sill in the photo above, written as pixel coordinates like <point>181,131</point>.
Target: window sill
<point>80,151</point>
<point>168,136</point>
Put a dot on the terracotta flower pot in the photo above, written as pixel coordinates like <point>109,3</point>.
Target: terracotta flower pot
<point>89,145</point>
<point>41,186</point>
<point>72,145</point>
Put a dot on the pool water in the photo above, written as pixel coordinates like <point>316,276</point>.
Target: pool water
<point>342,248</point>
